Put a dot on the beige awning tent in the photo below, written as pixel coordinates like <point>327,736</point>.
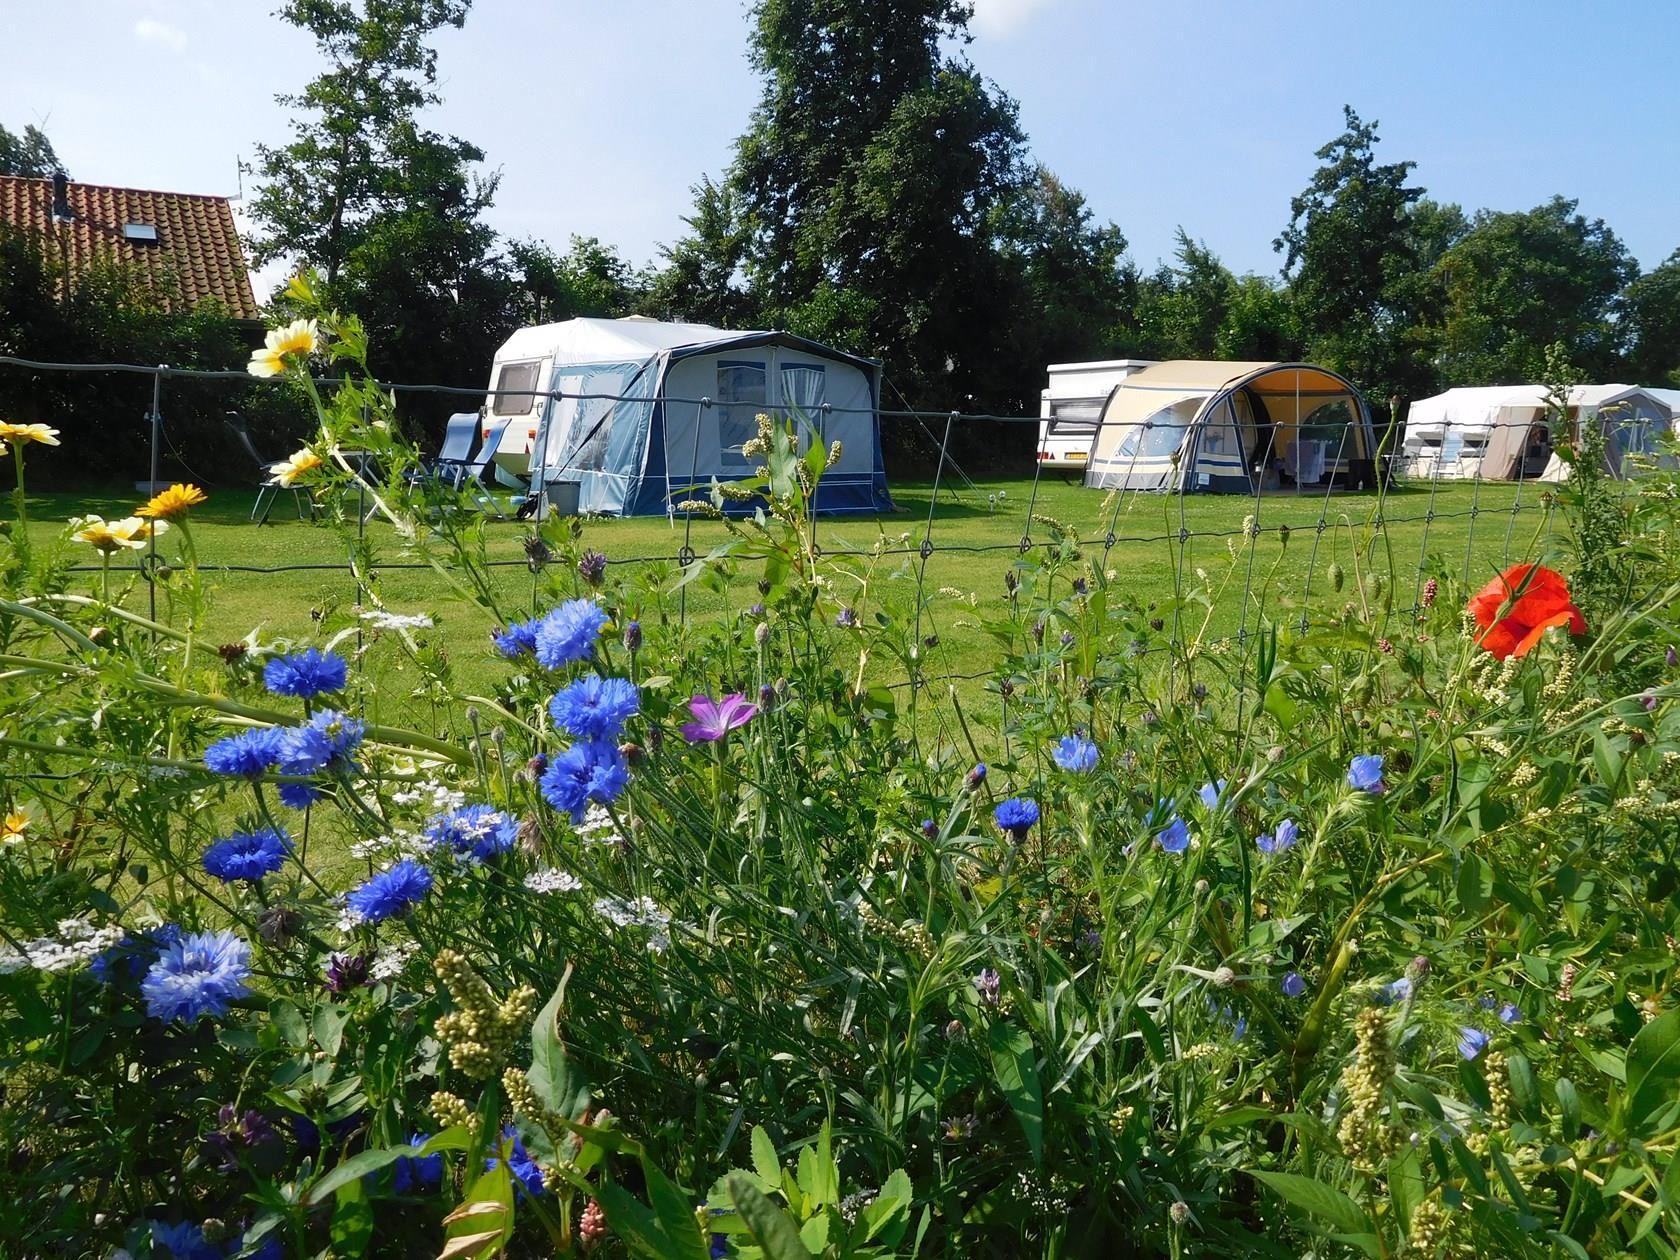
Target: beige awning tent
<point>1232,427</point>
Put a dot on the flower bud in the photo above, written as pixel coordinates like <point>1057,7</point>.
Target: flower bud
<point>976,777</point>
<point>761,633</point>
<point>632,636</point>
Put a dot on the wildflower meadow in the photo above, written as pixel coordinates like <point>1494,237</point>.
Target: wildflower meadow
<point>694,939</point>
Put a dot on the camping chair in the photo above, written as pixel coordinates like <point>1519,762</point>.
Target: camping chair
<point>269,488</point>
<point>471,477</point>
<point>450,464</point>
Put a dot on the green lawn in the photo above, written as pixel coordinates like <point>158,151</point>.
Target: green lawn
<point>974,544</point>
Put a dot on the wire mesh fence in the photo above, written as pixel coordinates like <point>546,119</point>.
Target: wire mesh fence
<point>1429,511</point>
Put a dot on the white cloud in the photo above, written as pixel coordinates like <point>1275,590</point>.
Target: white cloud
<point>151,31</point>
<point>999,18</point>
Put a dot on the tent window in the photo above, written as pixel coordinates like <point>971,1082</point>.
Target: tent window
<point>1162,433</point>
<point>740,397</point>
<point>1075,419</point>
<point>595,420</point>
<point>803,388</point>
<point>1327,423</point>
<point>516,376</point>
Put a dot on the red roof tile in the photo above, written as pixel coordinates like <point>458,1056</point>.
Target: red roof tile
<point>197,254</point>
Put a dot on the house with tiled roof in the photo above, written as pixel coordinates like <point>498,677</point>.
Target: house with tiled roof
<point>183,248</point>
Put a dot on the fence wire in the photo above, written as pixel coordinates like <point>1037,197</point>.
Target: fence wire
<point>1402,470</point>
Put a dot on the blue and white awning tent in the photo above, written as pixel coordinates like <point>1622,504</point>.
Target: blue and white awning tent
<point>649,412</point>
<point>1233,428</point>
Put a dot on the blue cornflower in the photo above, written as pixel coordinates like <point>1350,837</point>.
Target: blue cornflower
<point>185,1241</point>
<point>391,892</point>
<point>524,1169</point>
<point>418,1172</point>
<point>198,975</point>
<point>1365,774</point>
<point>306,674</point>
<point>1294,984</point>
<point>325,742</point>
<point>1471,1042</point>
<point>519,639</point>
<point>590,770</point>
<point>569,633</point>
<point>1211,792</point>
<point>248,855</point>
<point>720,1247</point>
<point>247,755</point>
<point>1509,1014</point>
<point>1395,991</point>
<point>1075,754</point>
<point>298,795</point>
<point>1176,837</point>
<point>1277,841</point>
<point>1016,816</point>
<point>594,707</point>
<point>480,830</point>
<point>130,957</point>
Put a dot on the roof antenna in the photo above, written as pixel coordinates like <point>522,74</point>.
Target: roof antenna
<point>61,198</point>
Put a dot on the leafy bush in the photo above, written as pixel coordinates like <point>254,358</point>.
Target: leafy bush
<point>692,939</point>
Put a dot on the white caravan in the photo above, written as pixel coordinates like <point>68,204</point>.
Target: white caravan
<point>1070,407</point>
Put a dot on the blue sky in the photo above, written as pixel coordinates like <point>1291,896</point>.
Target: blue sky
<point>1199,112</point>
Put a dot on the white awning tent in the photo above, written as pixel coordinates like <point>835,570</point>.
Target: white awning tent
<point>1502,432</point>
<point>648,411</point>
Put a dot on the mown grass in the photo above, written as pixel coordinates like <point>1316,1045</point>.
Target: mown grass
<point>280,577</point>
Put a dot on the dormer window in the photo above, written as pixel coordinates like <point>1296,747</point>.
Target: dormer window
<point>140,233</point>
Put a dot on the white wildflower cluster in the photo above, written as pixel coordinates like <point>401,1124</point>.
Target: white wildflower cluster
<point>642,912</point>
<point>398,844</point>
<point>384,619</point>
<point>549,880</point>
<point>391,960</point>
<point>438,796</point>
<point>78,942</point>
<point>597,827</point>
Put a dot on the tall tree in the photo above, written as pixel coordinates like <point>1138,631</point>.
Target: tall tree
<point>1651,314</point>
<point>869,184</point>
<point>1351,256</point>
<point>590,279</point>
<point>1519,282</point>
<point>30,154</point>
<point>389,211</point>
<point>702,280</point>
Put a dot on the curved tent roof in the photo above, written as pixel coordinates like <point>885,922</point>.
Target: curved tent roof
<point>1233,426</point>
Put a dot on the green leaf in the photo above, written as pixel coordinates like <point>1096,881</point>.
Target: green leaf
<point>289,1021</point>
<point>631,1221</point>
<point>354,1169</point>
<point>483,1223</point>
<point>888,1215</point>
<point>765,1163</point>
<point>352,1221</point>
<point>770,1226</point>
<point>1475,882</point>
<point>329,1028</point>
<point>674,1210</point>
<point>562,1089</point>
<point>1653,1066</point>
<point>1016,1070</point>
<point>1325,1203</point>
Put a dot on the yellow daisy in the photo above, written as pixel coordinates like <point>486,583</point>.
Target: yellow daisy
<point>166,505</point>
<point>11,831</point>
<point>294,468</point>
<point>20,433</point>
<point>138,531</point>
<point>110,536</point>
<point>297,338</point>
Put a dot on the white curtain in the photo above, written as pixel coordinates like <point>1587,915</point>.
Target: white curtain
<point>802,393</point>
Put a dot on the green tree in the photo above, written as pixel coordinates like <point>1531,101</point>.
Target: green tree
<point>1518,282</point>
<point>30,154</point>
<point>871,185</point>
<point>1651,315</point>
<point>702,280</point>
<point>389,212</point>
<point>1352,257</point>
<point>589,279</point>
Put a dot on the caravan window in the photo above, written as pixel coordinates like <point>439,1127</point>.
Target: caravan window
<point>1075,418</point>
<point>741,395</point>
<point>516,376</point>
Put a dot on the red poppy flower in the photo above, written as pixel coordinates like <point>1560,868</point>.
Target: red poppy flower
<point>1538,599</point>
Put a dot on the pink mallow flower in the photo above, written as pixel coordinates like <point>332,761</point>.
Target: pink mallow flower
<point>713,719</point>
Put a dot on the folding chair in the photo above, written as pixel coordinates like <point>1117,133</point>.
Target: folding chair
<point>269,488</point>
<point>450,465</point>
<point>472,474</point>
